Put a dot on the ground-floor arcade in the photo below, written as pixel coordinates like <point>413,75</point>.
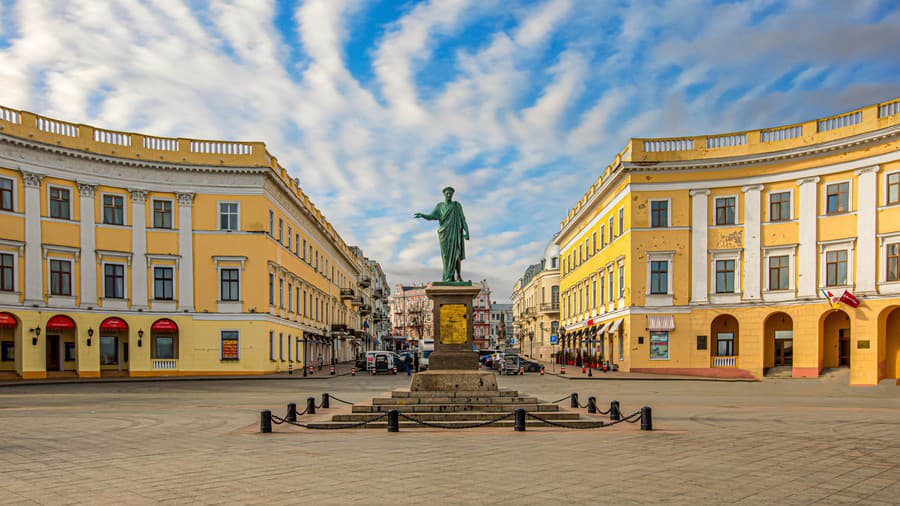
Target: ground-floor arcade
<point>744,340</point>
<point>37,344</point>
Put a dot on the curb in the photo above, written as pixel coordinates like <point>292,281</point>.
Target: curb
<point>660,378</point>
<point>26,383</point>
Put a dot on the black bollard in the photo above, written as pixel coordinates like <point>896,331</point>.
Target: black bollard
<point>393,421</point>
<point>614,413</point>
<point>310,405</point>
<point>292,413</point>
<point>265,421</point>
<point>304,371</point>
<point>590,372</point>
<point>520,420</point>
<point>646,418</point>
<point>326,400</point>
<point>592,404</point>
<point>574,403</point>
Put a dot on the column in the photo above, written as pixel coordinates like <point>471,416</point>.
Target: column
<point>752,240</point>
<point>699,246</point>
<point>186,249</point>
<point>34,279</point>
<point>808,209</point>
<point>139,249</point>
<point>88,244</point>
<point>866,252</point>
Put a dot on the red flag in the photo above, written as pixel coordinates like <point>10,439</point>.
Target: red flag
<point>849,299</point>
<point>832,299</point>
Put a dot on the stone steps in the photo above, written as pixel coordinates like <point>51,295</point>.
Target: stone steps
<point>455,417</point>
<point>451,408</point>
<point>402,393</point>
<point>406,424</point>
<point>402,401</point>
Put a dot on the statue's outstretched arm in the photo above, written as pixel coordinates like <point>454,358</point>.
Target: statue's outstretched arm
<point>434,215</point>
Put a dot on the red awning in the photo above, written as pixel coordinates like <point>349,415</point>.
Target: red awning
<point>60,322</point>
<point>7,321</point>
<point>113,324</point>
<point>164,325</point>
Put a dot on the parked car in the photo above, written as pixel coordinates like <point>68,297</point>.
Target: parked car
<point>529,365</point>
<point>382,361</point>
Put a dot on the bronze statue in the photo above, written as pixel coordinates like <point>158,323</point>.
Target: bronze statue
<point>452,233</point>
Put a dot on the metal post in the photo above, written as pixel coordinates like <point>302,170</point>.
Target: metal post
<point>592,404</point>
<point>646,418</point>
<point>614,413</point>
<point>265,421</point>
<point>574,399</point>
<point>292,412</point>
<point>310,405</point>
<point>520,420</point>
<point>393,424</point>
<point>326,400</point>
<point>305,350</point>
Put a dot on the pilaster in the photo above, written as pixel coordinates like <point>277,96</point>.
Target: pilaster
<point>807,208</point>
<point>867,253</point>
<point>34,279</point>
<point>139,249</point>
<point>752,241</point>
<point>88,244</point>
<point>699,246</point>
<point>186,249</point>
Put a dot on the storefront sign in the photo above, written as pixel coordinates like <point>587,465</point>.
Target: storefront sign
<point>659,346</point>
<point>230,347</point>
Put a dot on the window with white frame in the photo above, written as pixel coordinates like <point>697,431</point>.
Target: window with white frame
<point>612,284</point>
<point>281,293</point>
<point>659,272</point>
<point>281,346</point>
<point>892,188</point>
<point>271,289</point>
<point>622,220</point>
<point>229,216</point>
<point>163,283</point>
<point>780,206</point>
<point>114,281</point>
<point>271,223</point>
<point>725,276</point>
<point>622,280</point>
<point>113,209</point>
<point>7,272</point>
<point>230,284</point>
<point>836,266</point>
<point>162,214</point>
<point>272,345</point>
<point>726,210</point>
<point>612,231</point>
<point>60,277</point>
<point>837,197</point>
<point>659,213</point>
<point>281,230</point>
<point>60,203</point>
<point>779,272</point>
<point>7,194</point>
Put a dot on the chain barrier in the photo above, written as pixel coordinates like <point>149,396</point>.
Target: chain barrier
<point>336,427</point>
<point>333,398</point>
<point>595,425</point>
<point>456,426</point>
<point>560,400</point>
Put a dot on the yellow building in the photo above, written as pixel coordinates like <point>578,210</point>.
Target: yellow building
<point>535,301</point>
<point>125,254</point>
<point>712,255</point>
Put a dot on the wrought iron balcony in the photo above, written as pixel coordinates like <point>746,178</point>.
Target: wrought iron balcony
<point>364,281</point>
<point>550,307</point>
<point>357,301</point>
<point>346,293</point>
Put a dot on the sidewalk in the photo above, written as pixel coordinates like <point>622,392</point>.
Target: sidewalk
<point>341,369</point>
<point>574,373</point>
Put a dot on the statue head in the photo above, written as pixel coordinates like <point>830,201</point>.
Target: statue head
<point>448,193</point>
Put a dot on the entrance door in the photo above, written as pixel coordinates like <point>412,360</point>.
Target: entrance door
<point>844,341</point>
<point>784,352</point>
<point>53,353</point>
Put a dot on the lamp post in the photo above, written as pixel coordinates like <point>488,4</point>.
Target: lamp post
<point>531,341</point>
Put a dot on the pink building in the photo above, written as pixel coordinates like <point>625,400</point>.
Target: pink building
<point>412,314</point>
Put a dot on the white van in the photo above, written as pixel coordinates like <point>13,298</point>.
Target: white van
<point>381,361</point>
<point>425,352</point>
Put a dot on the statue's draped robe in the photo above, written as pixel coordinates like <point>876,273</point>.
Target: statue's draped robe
<point>450,233</point>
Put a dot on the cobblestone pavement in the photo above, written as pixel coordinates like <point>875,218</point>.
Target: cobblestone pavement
<point>779,441</point>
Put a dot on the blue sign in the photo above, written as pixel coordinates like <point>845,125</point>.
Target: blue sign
<point>554,339</point>
<point>512,342</point>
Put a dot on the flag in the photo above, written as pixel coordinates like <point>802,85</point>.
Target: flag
<point>849,299</point>
<point>832,299</point>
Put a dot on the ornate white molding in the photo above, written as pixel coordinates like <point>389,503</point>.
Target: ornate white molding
<point>86,189</point>
<point>138,196</point>
<point>32,179</point>
<point>185,199</point>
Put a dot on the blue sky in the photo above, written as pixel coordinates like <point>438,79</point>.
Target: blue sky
<point>376,105</point>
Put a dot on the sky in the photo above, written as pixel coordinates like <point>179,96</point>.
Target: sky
<point>377,105</point>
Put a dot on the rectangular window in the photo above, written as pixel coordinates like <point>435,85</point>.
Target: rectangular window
<point>280,346</point>
<point>60,277</point>
<point>228,216</point>
<point>602,236</point>
<point>893,262</point>
<point>281,293</point>
<point>725,344</point>
<point>162,214</point>
<point>778,272</point>
<point>837,198</point>
<point>893,188</point>
<point>8,351</point>
<point>594,293</point>
<point>612,286</point>
<point>163,283</point>
<point>7,270</point>
<point>271,289</point>
<point>602,289</point>
<point>621,281</point>
<point>836,268</point>
<point>114,281</point>
<point>290,292</point>
<point>659,277</point>
<point>725,207</point>
<point>297,301</point>
<point>109,350</point>
<point>305,313</point>
<point>297,244</point>
<point>230,284</point>
<point>230,345</point>
<point>271,223</point>
<point>621,220</point>
<point>612,232</point>
<point>113,210</point>
<point>593,243</point>
<point>303,251</point>
<point>6,194</point>
<point>280,230</point>
<point>165,347</point>
<point>59,203</point>
<point>659,345</point>
<point>272,345</point>
<point>724,276</point>
<point>780,206</point>
<point>659,213</point>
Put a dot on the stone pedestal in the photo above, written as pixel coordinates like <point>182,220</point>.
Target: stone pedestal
<point>453,365</point>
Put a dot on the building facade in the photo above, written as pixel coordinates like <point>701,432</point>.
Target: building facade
<point>501,331</point>
<point>719,255</point>
<point>535,300</point>
<point>411,314</point>
<point>481,307</point>
<point>126,254</point>
<point>381,292</point>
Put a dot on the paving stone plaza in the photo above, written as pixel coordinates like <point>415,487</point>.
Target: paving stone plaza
<point>778,441</point>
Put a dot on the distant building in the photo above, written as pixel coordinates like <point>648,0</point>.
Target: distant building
<point>501,330</point>
<point>481,306</point>
<point>535,301</point>
<point>412,314</point>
